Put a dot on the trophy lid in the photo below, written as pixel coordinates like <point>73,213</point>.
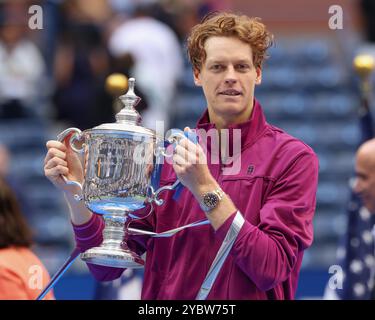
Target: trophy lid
<point>128,119</point>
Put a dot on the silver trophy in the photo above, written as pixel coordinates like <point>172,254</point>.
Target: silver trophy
<point>120,162</point>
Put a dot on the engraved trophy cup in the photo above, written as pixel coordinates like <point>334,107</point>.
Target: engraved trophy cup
<point>120,160</point>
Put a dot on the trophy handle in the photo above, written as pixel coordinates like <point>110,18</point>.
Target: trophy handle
<point>172,138</point>
<point>75,137</point>
<point>155,194</point>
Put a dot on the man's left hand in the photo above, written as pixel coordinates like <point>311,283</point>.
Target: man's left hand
<point>190,165</point>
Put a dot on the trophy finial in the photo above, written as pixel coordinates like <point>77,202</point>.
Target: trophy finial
<point>128,113</point>
<point>131,85</point>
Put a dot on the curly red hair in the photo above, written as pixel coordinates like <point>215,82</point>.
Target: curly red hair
<point>248,30</point>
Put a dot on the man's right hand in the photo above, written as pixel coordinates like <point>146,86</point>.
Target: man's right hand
<point>62,161</point>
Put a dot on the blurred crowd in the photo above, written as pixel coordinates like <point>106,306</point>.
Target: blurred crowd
<point>59,71</point>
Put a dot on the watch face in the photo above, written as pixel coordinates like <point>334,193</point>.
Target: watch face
<point>210,200</point>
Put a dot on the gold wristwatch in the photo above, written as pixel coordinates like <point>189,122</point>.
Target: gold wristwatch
<point>210,200</point>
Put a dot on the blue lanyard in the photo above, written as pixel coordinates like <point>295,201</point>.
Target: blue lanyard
<point>221,255</point>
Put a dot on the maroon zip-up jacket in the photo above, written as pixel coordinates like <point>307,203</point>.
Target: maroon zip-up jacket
<point>275,191</point>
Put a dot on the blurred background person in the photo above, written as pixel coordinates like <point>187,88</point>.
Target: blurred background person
<point>356,277</point>
<point>365,188</point>
<point>364,184</point>
<point>81,64</point>
<point>158,60</point>
<point>13,182</point>
<point>22,68</point>
<point>22,274</point>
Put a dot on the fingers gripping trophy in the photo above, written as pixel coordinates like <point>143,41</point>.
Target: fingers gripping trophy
<point>121,166</point>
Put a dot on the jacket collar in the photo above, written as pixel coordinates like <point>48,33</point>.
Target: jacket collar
<point>250,130</point>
